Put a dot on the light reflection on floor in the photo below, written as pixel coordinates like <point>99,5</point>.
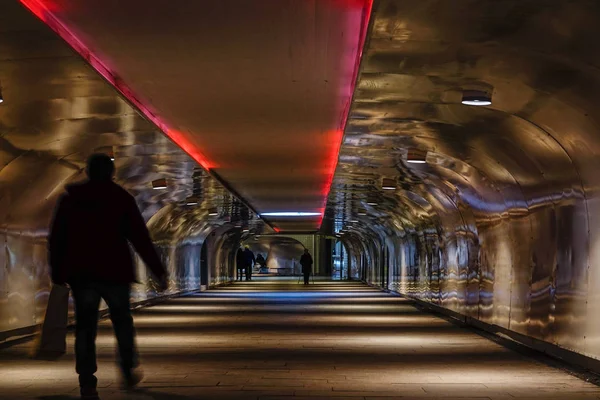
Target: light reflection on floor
<point>276,339</point>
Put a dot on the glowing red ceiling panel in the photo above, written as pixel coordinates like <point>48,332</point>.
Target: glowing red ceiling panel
<point>257,91</point>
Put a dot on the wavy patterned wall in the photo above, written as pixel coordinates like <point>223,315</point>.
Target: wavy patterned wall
<point>501,222</point>
<point>56,112</point>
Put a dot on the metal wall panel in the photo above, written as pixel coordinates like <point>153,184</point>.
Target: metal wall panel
<point>56,112</point>
<point>509,193</point>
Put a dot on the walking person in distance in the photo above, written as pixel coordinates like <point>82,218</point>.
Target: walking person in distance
<point>306,262</point>
<point>250,260</point>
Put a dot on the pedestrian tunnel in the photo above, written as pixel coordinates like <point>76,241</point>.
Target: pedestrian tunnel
<point>430,155</point>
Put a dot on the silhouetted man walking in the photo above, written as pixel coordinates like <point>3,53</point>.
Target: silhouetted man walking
<point>250,260</point>
<point>88,244</point>
<point>306,261</point>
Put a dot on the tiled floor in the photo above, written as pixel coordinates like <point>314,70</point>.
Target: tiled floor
<point>272,340</point>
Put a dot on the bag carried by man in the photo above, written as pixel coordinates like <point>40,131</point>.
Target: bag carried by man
<point>52,340</point>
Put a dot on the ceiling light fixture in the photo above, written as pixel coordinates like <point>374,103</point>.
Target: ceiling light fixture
<point>290,214</point>
<point>476,98</point>
<point>213,212</point>
<point>191,201</point>
<point>354,221</point>
<point>158,184</point>
<point>245,230</point>
<point>388,184</point>
<point>1,98</point>
<point>416,156</point>
<point>371,203</point>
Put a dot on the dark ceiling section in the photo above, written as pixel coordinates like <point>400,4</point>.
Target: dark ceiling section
<point>257,91</point>
<point>503,216</point>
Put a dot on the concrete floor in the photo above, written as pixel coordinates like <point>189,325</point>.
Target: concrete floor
<point>274,339</point>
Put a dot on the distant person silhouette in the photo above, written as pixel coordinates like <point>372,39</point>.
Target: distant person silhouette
<point>240,263</point>
<point>306,261</point>
<point>250,260</point>
<point>88,245</point>
<point>260,260</point>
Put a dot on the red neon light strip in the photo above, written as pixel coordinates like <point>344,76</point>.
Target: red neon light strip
<point>41,10</point>
<point>339,134</point>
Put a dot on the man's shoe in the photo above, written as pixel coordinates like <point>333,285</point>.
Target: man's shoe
<point>89,393</point>
<point>131,380</point>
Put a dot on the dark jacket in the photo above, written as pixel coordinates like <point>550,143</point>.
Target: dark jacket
<point>249,258</point>
<point>260,260</point>
<point>94,222</point>
<point>240,259</point>
<point>306,261</point>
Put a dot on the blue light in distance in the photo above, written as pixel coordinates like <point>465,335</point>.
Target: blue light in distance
<point>290,214</point>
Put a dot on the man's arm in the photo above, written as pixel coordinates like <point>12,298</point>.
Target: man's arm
<point>138,235</point>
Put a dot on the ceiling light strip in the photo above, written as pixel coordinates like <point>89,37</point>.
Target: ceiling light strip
<point>339,134</point>
<point>41,10</point>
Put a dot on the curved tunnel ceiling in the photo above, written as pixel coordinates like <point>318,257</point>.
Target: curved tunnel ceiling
<point>256,92</point>
<point>536,146</point>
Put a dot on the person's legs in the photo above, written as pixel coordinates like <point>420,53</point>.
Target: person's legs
<point>117,299</point>
<point>250,273</point>
<point>306,276</point>
<point>247,270</point>
<point>87,302</point>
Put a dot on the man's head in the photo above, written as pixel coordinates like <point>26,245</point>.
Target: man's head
<point>305,251</point>
<point>247,247</point>
<point>100,167</point>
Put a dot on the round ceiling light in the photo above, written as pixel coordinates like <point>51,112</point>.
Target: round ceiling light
<point>388,184</point>
<point>191,201</point>
<point>159,184</point>
<point>416,156</point>
<point>476,98</point>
